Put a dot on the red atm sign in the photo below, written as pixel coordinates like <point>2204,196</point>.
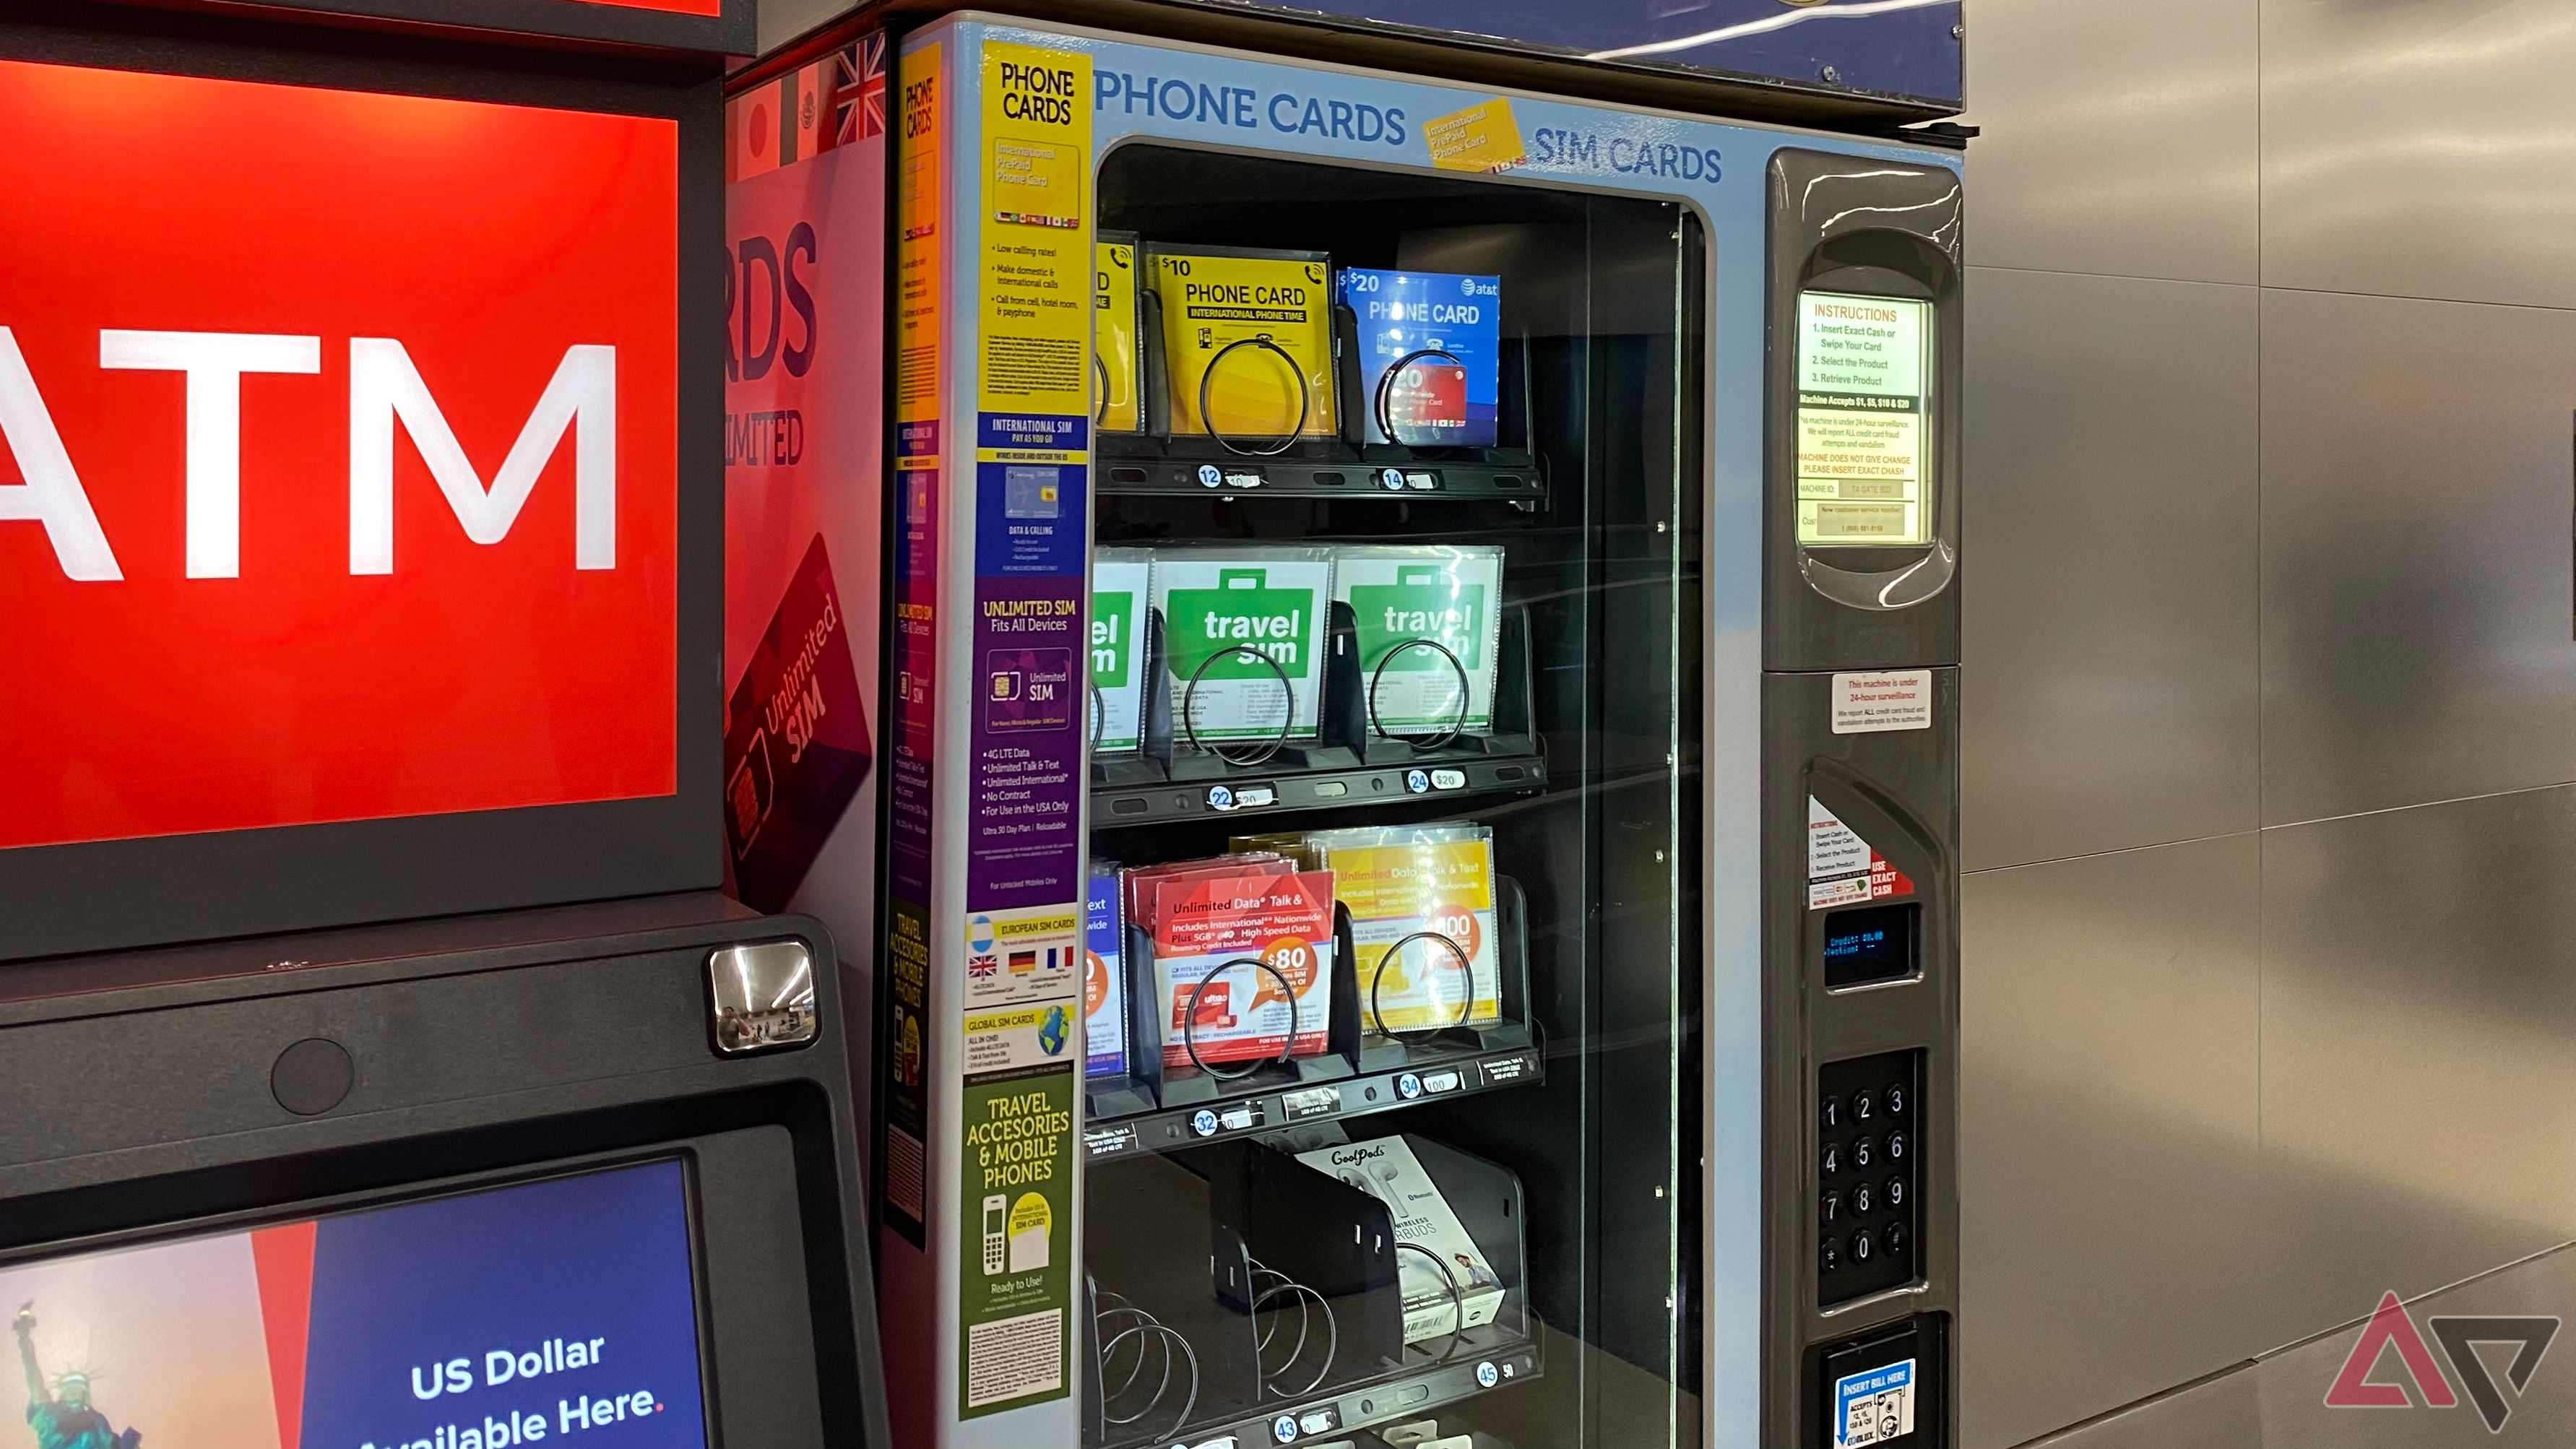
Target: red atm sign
<point>676,7</point>
<point>338,466</point>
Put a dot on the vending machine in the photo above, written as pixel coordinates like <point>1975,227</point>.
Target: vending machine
<point>1421,728</point>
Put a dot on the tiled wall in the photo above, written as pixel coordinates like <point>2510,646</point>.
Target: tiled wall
<point>2270,677</point>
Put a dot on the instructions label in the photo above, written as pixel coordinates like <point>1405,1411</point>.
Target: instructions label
<point>1882,700</point>
<point>1863,363</point>
<point>1874,1406</point>
<point>1842,868</point>
<point>1015,1202</point>
<point>1833,848</point>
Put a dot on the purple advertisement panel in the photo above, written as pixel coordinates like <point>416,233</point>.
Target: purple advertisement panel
<point>1024,839</point>
<point>916,619</point>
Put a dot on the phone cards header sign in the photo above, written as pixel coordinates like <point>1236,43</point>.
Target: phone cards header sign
<point>1883,47</point>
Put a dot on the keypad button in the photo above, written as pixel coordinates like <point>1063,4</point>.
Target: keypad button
<point>1894,1238</point>
<point>1864,1106</point>
<point>1831,1113</point>
<point>1830,1258</point>
<point>1833,1160</point>
<point>1832,1203</point>
<point>1860,1152</point>
<point>1896,1192</point>
<point>1860,1200</point>
<point>1895,1148</point>
<point>1895,1100</point>
<point>1862,1249</point>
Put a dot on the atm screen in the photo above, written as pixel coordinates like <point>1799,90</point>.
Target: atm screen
<point>1864,435</point>
<point>1875,943</point>
<point>560,1311</point>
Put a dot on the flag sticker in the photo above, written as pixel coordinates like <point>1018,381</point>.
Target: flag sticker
<point>859,91</point>
<point>787,120</point>
<point>1021,956</point>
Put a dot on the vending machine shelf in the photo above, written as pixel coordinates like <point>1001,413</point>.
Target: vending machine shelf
<point>1302,1243</point>
<point>1155,1108</point>
<point>1431,1075</point>
<point>1161,459</point>
<point>1428,774</point>
<point>1484,1360</point>
<point>1208,470</point>
<point>1350,764</point>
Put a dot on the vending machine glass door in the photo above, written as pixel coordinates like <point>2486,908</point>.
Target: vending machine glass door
<point>1392,918</point>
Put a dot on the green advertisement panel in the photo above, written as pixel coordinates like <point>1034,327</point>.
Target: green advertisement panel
<point>1014,1273</point>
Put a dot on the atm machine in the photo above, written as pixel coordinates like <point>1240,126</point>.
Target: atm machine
<point>379,1062</point>
<point>1421,714</point>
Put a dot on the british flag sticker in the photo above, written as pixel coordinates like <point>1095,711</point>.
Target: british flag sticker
<point>859,90</point>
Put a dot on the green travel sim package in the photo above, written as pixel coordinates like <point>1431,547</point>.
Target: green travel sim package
<point>1428,624</point>
<point>1244,639</point>
<point>1120,580</point>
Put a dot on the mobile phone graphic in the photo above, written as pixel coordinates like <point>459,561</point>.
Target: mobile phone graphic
<point>995,1208</point>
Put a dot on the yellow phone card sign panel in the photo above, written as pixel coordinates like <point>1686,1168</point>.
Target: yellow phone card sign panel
<point>1036,293</point>
<point>1251,334</point>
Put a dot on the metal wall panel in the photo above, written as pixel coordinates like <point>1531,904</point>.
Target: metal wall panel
<point>2292,1385</point>
<point>2416,615</point>
<point>2224,1413</point>
<point>2419,1050</point>
<point>2109,1161</point>
<point>2421,149</point>
<point>2119,138</point>
<point>2111,682</point>
<point>2279,1402</point>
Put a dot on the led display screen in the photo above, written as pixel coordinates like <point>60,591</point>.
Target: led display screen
<point>1875,943</point>
<point>1864,427</point>
<point>559,1312</point>
<point>338,456</point>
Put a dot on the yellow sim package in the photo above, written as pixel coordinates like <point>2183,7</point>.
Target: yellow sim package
<point>1119,406</point>
<point>1430,887</point>
<point>1251,333</point>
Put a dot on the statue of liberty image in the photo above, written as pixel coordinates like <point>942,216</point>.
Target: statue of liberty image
<point>63,1418</point>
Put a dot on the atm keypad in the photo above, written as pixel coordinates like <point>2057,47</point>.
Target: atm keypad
<point>1868,1154</point>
